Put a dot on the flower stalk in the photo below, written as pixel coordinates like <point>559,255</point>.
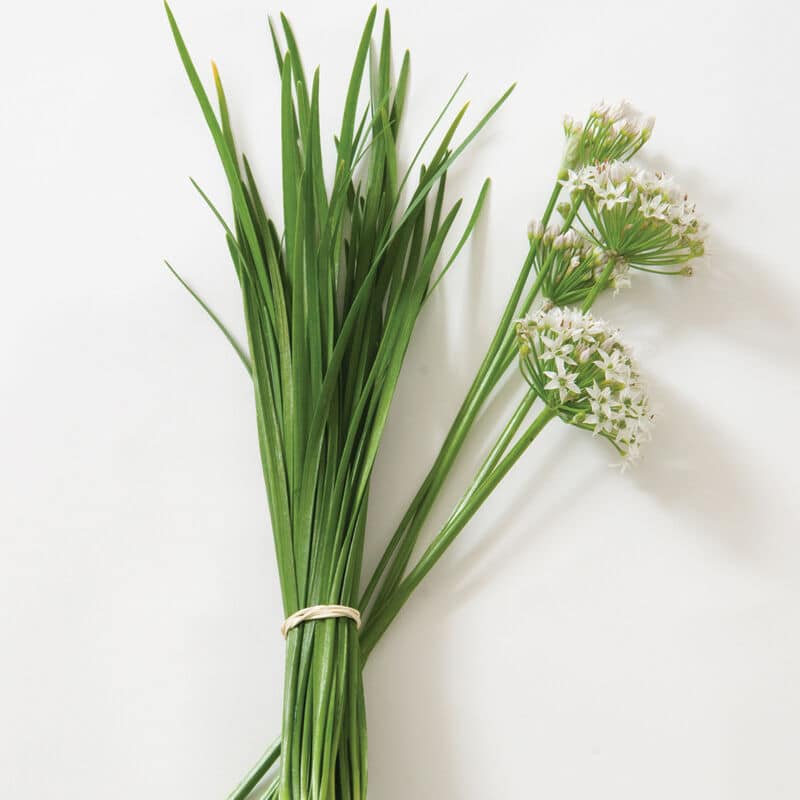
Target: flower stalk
<point>466,509</point>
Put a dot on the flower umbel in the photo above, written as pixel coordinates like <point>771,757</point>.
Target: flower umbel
<point>610,132</point>
<point>579,367</point>
<point>572,264</point>
<point>639,216</point>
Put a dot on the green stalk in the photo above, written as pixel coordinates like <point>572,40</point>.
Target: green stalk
<point>256,774</point>
<point>502,444</point>
<point>599,285</point>
<point>378,623</point>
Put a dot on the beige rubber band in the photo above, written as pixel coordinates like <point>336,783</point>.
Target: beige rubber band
<point>319,612</point>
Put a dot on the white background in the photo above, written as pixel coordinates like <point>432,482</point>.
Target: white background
<point>590,635</point>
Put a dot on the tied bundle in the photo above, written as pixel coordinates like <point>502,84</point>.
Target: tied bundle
<point>330,304</point>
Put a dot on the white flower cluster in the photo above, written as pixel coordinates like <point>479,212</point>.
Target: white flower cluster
<point>610,132</point>
<point>573,264</point>
<point>639,215</point>
<point>580,368</point>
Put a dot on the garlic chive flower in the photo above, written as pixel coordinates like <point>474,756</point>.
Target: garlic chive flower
<point>572,264</point>
<point>639,216</point>
<point>610,132</point>
<point>579,367</point>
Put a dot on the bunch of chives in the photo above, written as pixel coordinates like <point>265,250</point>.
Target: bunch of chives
<point>562,265</point>
<point>349,362</point>
<point>329,304</point>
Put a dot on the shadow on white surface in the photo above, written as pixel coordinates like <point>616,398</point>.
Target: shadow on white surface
<point>695,471</point>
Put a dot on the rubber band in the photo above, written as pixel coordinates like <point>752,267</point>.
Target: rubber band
<point>319,612</point>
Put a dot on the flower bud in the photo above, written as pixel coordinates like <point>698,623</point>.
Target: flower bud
<point>564,209</point>
<point>535,230</point>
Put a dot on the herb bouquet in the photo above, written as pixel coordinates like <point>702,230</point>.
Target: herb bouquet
<point>330,303</point>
